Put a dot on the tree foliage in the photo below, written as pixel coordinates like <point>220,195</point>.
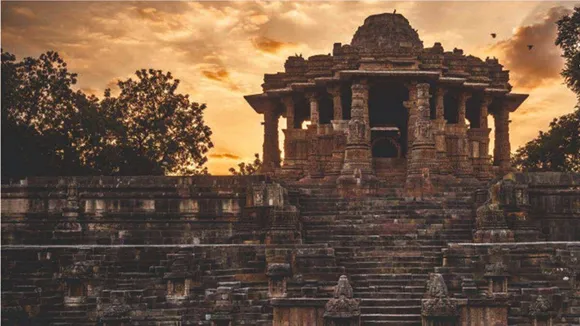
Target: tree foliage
<point>249,168</point>
<point>555,150</point>
<point>569,40</point>
<point>48,128</point>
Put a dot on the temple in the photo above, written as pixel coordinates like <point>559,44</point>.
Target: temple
<point>386,210</point>
<point>386,108</point>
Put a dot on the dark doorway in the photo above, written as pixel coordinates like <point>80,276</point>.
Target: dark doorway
<point>386,110</point>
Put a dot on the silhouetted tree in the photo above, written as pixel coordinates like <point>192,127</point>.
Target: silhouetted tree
<point>50,129</point>
<point>555,150</point>
<point>559,148</point>
<point>248,168</point>
<point>155,130</point>
<point>569,40</point>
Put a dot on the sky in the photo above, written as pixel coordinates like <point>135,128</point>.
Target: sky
<point>221,50</point>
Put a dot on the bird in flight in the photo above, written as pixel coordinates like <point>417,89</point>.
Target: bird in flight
<point>493,35</point>
<point>530,46</point>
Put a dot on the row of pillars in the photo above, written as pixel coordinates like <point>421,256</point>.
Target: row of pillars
<point>271,156</point>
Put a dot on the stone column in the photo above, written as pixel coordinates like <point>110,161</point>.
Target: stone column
<point>314,113</point>
<point>357,168</point>
<point>289,106</point>
<point>464,166</point>
<point>484,159</point>
<point>271,156</point>
<point>339,127</point>
<point>439,132</point>
<point>421,159</point>
<point>502,148</point>
<point>313,168</point>
<point>411,106</point>
<point>336,101</point>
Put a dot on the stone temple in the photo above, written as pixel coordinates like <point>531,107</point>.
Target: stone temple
<point>387,209</point>
<point>386,109</point>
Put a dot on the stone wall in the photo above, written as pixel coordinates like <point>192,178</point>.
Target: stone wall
<point>126,210</point>
<point>76,285</point>
<point>534,269</point>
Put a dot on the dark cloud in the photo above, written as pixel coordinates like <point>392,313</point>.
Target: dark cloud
<point>269,45</point>
<point>224,156</point>
<point>543,63</point>
<point>221,75</point>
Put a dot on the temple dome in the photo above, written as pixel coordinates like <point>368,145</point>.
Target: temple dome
<point>386,33</point>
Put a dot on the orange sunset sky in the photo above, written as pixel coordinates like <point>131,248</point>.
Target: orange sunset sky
<point>220,50</point>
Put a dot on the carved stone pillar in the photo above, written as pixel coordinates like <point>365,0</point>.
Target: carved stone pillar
<point>482,162</point>
<point>342,309</point>
<point>464,166</point>
<point>502,148</point>
<point>490,220</point>
<point>271,155</point>
<point>278,274</point>
<point>439,123</point>
<point>412,107</point>
<point>336,101</point>
<point>357,167</point>
<point>289,106</point>
<point>421,161</point>
<point>314,113</point>
<point>69,226</point>
<point>438,308</point>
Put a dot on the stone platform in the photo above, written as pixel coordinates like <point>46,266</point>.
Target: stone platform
<point>251,251</point>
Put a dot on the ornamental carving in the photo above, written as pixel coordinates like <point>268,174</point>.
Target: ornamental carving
<point>423,130</point>
<point>438,303</point>
<point>78,270</point>
<point>342,305</point>
<point>542,306</point>
<point>279,270</point>
<point>118,308</point>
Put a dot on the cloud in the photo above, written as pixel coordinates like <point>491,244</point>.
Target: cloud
<point>224,156</point>
<point>221,75</point>
<point>269,45</point>
<point>543,63</point>
<point>24,11</point>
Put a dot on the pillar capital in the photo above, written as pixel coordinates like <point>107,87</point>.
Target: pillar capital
<point>440,91</point>
<point>361,87</point>
<point>333,90</point>
<point>464,96</point>
<point>287,101</point>
<point>312,96</point>
<point>487,99</point>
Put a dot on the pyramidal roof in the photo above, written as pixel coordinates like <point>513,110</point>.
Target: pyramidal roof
<point>386,33</point>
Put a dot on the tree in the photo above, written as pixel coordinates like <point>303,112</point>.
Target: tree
<point>555,150</point>
<point>50,129</point>
<point>155,130</point>
<point>248,168</point>
<point>38,117</point>
<point>569,40</point>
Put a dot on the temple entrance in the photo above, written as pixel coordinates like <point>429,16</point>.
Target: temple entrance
<point>388,120</point>
<point>386,146</point>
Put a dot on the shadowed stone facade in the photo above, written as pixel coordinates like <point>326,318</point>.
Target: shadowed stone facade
<point>336,233</point>
<point>386,109</point>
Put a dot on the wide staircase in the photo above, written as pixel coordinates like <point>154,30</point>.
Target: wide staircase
<point>388,246</point>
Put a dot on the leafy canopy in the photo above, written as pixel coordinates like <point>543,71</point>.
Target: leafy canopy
<point>48,128</point>
<point>569,40</point>
<point>555,150</point>
<point>559,148</point>
<point>249,168</point>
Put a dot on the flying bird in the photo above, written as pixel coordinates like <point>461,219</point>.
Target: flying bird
<point>493,35</point>
<point>530,46</point>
